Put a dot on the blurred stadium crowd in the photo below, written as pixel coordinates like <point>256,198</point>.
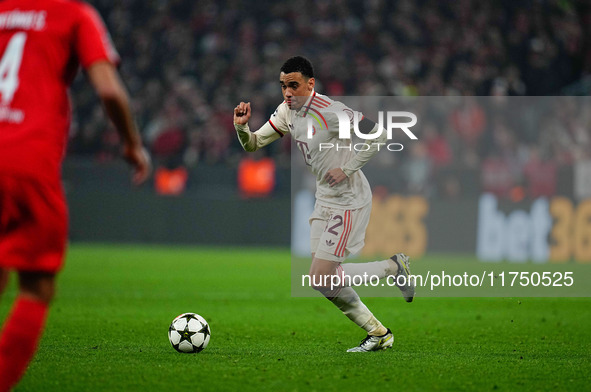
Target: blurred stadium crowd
<point>188,63</point>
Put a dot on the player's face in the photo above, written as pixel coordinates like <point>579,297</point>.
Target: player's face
<point>295,88</point>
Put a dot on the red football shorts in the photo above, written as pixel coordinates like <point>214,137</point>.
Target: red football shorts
<point>33,224</point>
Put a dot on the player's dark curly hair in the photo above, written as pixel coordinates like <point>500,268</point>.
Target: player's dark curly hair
<point>298,64</point>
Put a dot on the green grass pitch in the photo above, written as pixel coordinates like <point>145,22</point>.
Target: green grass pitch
<point>107,331</point>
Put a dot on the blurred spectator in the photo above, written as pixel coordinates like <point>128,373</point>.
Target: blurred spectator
<point>417,168</point>
<point>540,175</point>
<point>582,176</point>
<point>469,121</point>
<point>438,148</point>
<point>497,177</point>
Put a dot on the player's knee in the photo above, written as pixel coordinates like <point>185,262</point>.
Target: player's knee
<point>40,286</point>
<point>324,285</point>
<point>328,292</point>
<point>325,291</point>
<point>317,283</point>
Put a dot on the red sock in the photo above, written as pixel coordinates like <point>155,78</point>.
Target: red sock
<point>19,338</point>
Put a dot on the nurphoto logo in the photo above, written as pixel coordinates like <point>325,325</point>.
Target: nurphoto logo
<point>348,117</point>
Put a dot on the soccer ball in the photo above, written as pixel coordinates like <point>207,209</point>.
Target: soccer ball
<point>189,333</point>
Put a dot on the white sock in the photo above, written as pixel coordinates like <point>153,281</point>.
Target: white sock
<point>350,304</point>
<point>357,274</point>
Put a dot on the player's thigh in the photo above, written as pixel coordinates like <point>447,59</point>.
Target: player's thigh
<point>323,267</point>
<point>33,225</point>
<point>359,222</point>
<point>318,222</point>
<point>343,234</point>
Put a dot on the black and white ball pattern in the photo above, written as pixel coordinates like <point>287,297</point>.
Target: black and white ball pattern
<point>189,333</point>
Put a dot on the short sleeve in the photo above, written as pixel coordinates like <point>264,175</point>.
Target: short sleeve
<point>278,119</point>
<point>92,40</point>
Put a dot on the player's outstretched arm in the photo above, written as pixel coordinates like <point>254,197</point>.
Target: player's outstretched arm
<point>105,79</point>
<point>242,113</point>
<point>241,116</point>
<point>251,141</point>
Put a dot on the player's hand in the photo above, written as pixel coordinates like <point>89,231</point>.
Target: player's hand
<point>335,176</point>
<point>139,158</point>
<point>242,113</point>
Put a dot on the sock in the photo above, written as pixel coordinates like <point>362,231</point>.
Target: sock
<point>19,339</point>
<point>356,274</point>
<point>350,304</point>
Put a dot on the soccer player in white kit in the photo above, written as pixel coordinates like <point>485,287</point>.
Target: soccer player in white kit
<point>343,194</point>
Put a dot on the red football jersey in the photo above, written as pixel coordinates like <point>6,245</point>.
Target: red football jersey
<point>42,44</point>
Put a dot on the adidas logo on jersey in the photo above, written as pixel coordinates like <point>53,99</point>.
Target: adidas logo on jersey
<point>329,243</point>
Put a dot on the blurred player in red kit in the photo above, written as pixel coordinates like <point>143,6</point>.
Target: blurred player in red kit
<point>42,45</point>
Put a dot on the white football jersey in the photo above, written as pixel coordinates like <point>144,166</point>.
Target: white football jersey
<point>320,112</point>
